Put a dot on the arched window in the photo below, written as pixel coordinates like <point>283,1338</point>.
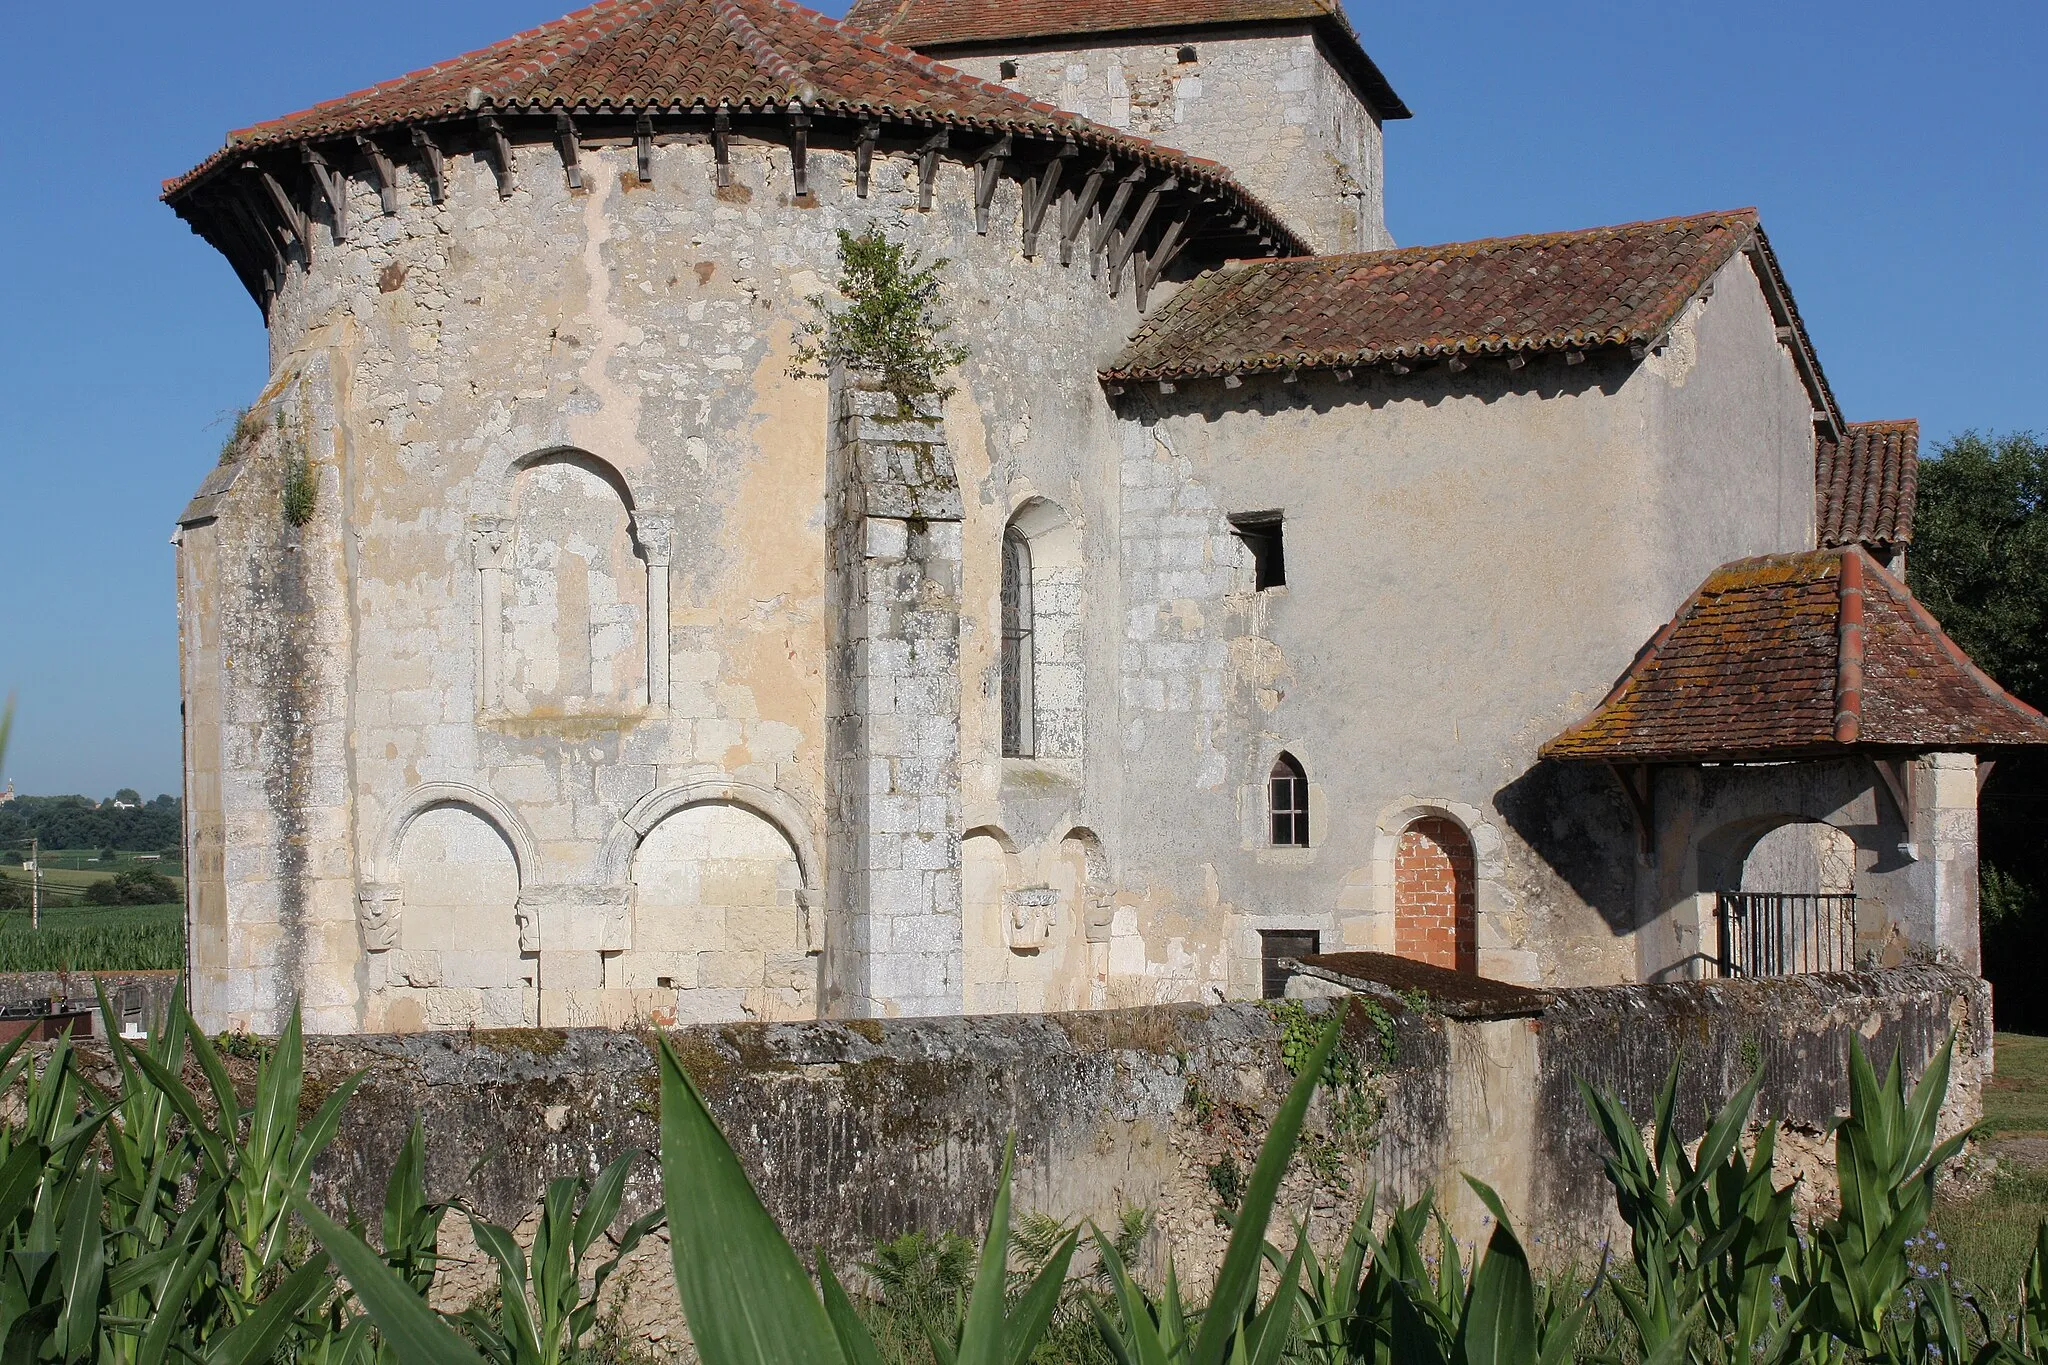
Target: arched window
<point>1019,661</point>
<point>1287,800</point>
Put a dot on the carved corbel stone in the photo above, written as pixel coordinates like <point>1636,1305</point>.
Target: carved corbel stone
<point>1028,915</point>
<point>526,913</point>
<point>488,537</point>
<point>377,909</point>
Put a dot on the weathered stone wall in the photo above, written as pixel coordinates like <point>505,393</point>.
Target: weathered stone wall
<point>857,1132</point>
<point>1270,104</point>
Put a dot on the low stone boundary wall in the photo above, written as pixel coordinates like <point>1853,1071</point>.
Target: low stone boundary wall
<point>859,1131</point>
<point>141,1000</point>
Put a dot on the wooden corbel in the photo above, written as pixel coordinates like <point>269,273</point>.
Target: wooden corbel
<point>799,150</point>
<point>430,157</point>
<point>1984,767</point>
<point>1897,776</point>
<point>988,170</point>
<point>294,219</point>
<point>333,187</point>
<point>1074,207</point>
<point>721,145</point>
<point>1105,226</point>
<point>493,135</point>
<point>1638,783</point>
<point>565,143</point>
<point>864,155</point>
<point>1125,242</point>
<point>928,165</point>
<point>387,174</point>
<point>1039,192</point>
<point>1152,264</point>
<point>643,148</point>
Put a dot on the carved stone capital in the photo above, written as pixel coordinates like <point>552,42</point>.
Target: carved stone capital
<point>377,909</point>
<point>575,917</point>
<point>655,530</point>
<point>1028,915</point>
<point>488,538</point>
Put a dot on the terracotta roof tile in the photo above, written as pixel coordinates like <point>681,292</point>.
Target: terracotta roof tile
<point>1866,484</point>
<point>940,24</point>
<point>1753,667</point>
<point>626,55</point>
<point>1550,291</point>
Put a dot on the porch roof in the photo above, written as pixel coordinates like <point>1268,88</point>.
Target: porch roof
<point>1803,655</point>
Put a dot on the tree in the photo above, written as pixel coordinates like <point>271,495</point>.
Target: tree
<point>1979,561</point>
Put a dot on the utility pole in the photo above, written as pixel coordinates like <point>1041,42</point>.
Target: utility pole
<point>35,885</point>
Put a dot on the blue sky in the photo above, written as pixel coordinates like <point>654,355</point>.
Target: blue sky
<point>1899,153</point>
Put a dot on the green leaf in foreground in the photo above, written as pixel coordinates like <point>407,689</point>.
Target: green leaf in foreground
<point>745,1294</point>
<point>415,1331</point>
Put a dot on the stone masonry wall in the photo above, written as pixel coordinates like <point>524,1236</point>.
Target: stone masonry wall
<point>860,1131</point>
<point>1269,104</point>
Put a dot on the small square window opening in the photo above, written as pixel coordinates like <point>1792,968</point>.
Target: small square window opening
<point>1260,532</point>
<point>1276,945</point>
<point>1187,55</point>
<point>1008,67</point>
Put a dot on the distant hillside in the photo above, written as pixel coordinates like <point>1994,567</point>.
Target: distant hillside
<point>125,822</point>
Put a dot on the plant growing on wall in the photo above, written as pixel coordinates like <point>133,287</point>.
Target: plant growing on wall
<point>301,484</point>
<point>891,325</point>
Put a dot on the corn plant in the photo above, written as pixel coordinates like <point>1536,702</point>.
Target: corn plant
<point>543,1314</point>
<point>1141,1331</point>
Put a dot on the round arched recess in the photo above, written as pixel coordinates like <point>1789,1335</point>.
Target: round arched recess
<point>779,808</point>
<point>1496,948</point>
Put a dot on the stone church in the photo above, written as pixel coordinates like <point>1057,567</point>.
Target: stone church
<point>552,654</point>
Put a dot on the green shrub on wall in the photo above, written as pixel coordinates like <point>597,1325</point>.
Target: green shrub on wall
<point>891,325</point>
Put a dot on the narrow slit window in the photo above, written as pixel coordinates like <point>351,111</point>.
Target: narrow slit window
<point>1018,660</point>
<point>1276,946</point>
<point>1260,532</point>
<point>1287,798</point>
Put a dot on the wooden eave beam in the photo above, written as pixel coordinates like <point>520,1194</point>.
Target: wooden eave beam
<point>1074,207</point>
<point>1153,263</point>
<point>230,235</point>
<point>387,174</point>
<point>492,134</point>
<point>928,165</point>
<point>436,165</point>
<point>565,143</point>
<point>1039,191</point>
<point>257,228</point>
<point>643,148</point>
<point>1105,226</point>
<point>333,187</point>
<point>799,150</point>
<point>721,145</point>
<point>1638,782</point>
<point>988,170</point>
<point>1125,242</point>
<point>864,154</point>
<point>294,218</point>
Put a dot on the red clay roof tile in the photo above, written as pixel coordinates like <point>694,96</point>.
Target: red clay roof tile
<point>1549,291</point>
<point>625,55</point>
<point>1751,668</point>
<point>1866,484</point>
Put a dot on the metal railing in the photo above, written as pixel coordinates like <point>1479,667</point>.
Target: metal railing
<point>1783,933</point>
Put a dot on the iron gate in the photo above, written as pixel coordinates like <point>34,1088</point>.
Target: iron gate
<point>1784,933</point>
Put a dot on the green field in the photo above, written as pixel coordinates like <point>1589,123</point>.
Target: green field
<point>94,939</point>
<point>68,872</point>
<point>1989,1236</point>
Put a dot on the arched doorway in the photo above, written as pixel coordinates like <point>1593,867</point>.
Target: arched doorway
<point>461,964</point>
<point>1436,917</point>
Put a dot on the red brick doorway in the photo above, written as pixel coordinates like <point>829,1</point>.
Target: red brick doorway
<point>1436,916</point>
